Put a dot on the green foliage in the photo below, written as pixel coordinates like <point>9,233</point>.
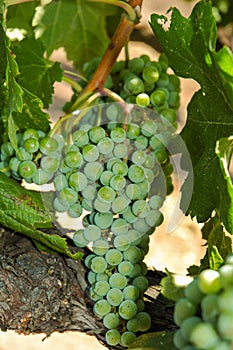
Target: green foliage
<point>23,211</point>
<point>190,47</point>
<point>154,341</point>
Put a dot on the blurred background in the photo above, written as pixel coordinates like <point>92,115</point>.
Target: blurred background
<point>174,250</point>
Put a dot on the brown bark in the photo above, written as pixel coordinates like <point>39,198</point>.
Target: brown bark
<point>43,293</point>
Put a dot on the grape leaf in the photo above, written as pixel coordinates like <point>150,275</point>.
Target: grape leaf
<point>20,15</point>
<point>23,211</point>
<point>78,26</point>
<point>37,74</point>
<point>154,341</point>
<point>189,44</point>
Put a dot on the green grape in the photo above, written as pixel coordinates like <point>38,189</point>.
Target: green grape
<point>60,139</point>
<point>60,207</point>
<point>141,283</point>
<point>78,181</point>
<point>133,131</point>
<point>179,340</point>
<point>60,182</point>
<point>106,177</point>
<point>120,150</point>
<point>156,202</point>
<point>229,259</point>
<point>169,114</point>
<point>125,268</point>
<point>119,226</point>
<point>114,296</point>
<point>87,205</point>
<point>79,240</point>
<point>140,208</point>
<point>50,163</point>
<point>117,280</point>
<point>121,242</point>
<point>204,336</point>
<point>223,345</point>
<point>174,82</point>
<point>106,194</point>
<point>144,321</point>
<point>88,260</point>
<point>141,226</point>
<point>112,337</point>
<point>101,288</point>
<point>24,155</point>
<point>187,325</point>
<point>161,156</point>
<point>127,338</point>
<point>117,182</point>
<point>103,220</point>
<point>141,142</point>
<point>102,277</point>
<point>133,325</point>
<point>225,325</point>
<point>80,138</point>
<point>91,277</point>
<point>193,293</point>
<point>130,292</point>
<point>101,206</point>
<point>93,170</point>
<point>74,159</point>
<point>183,309</point>
<point>136,65</point>
<point>154,218</point>
<point>150,74</point>
<point>100,247</point>
<point>127,309</point>
<point>134,237</point>
<point>30,134</point>
<point>129,216</point>
<point>113,257</point>
<point>158,97</point>
<point>149,128</point>
<point>111,321</point>
<point>14,164</point>
<point>90,153</point>
<point>134,85</point>
<point>102,308</point>
<point>225,300</point>
<point>31,145</point>
<point>156,144</point>
<point>209,307</point>
<point>163,80</point>
<point>27,169</point>
<point>133,192</point>
<point>119,168</point>
<point>118,135</point>
<point>138,157</point>
<point>98,264</point>
<point>96,134</point>
<point>92,233</point>
<point>132,254</point>
<point>93,295</point>
<point>89,192</point>
<point>137,271</point>
<point>48,145</point>
<point>75,210</point>
<point>68,195</point>
<point>41,177</point>
<point>209,281</point>
<point>105,145</point>
<point>119,205</point>
<point>143,100</point>
<point>136,173</point>
<point>226,275</point>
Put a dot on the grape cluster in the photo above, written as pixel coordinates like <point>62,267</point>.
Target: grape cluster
<point>205,314</point>
<point>143,82</point>
<point>25,162</point>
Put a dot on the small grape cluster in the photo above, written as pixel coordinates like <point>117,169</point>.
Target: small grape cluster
<point>143,82</point>
<point>25,161</point>
<point>205,314</point>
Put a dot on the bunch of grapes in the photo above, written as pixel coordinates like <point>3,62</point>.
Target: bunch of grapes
<point>26,161</point>
<point>205,314</point>
<point>143,82</point>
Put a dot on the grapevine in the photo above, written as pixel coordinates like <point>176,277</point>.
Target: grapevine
<point>102,172</point>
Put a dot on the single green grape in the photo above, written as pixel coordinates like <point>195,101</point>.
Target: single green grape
<point>117,280</point>
<point>48,145</point>
<point>111,321</point>
<point>114,296</point>
<point>27,169</point>
<point>127,309</point>
<point>102,308</point>
<point>112,337</point>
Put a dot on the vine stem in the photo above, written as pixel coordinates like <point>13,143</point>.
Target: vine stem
<point>118,41</point>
